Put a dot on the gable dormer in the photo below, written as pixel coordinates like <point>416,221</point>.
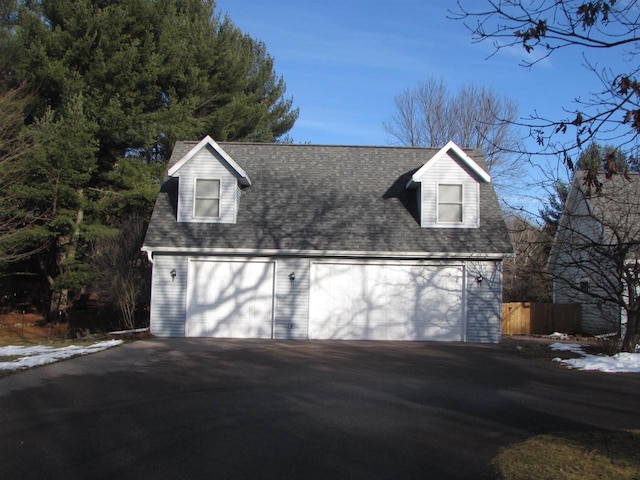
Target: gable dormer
<point>209,184</point>
<point>449,189</point>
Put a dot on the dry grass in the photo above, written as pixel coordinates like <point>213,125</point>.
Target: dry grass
<point>17,328</point>
<point>600,455</point>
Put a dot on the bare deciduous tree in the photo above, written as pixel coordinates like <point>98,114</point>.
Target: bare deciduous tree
<point>121,270</point>
<point>595,260</point>
<point>15,143</point>
<point>543,27</point>
<point>428,115</point>
<point>525,276</point>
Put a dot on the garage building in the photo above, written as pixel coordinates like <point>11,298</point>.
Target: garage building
<point>282,241</point>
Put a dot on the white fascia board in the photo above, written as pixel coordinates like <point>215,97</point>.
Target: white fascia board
<point>244,178</point>
<point>260,252</point>
<point>451,146</point>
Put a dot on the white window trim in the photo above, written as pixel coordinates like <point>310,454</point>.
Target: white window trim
<point>195,198</point>
<point>462,190</point>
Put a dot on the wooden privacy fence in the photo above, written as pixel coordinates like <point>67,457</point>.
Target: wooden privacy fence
<point>525,318</point>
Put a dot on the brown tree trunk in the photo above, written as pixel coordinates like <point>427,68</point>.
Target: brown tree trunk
<point>59,304</point>
<point>66,247</point>
<point>631,335</point>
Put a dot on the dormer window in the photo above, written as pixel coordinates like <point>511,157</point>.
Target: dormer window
<point>209,184</point>
<point>450,185</point>
<point>206,202</point>
<point>450,202</point>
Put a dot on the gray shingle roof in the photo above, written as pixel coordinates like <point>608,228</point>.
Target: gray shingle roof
<point>327,198</point>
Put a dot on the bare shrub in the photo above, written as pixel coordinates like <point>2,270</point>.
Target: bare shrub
<point>121,270</point>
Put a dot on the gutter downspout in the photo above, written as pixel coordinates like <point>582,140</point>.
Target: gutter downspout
<point>149,255</point>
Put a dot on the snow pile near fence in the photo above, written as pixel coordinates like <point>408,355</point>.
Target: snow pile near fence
<point>41,355</point>
<point>619,363</point>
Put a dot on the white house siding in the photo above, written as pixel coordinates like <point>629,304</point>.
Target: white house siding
<point>448,171</point>
<point>478,304</point>
<point>573,264</point>
<point>209,165</point>
<point>292,299</point>
<point>484,302</point>
<point>596,316</point>
<point>168,296</point>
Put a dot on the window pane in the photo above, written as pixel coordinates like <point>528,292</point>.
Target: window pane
<point>208,188</point>
<point>450,213</point>
<point>450,193</point>
<point>207,208</point>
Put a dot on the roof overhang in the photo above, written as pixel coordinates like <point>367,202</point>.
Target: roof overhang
<point>450,147</point>
<point>323,253</point>
<point>243,178</point>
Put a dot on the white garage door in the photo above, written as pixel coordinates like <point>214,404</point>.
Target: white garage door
<point>230,299</point>
<point>386,302</point>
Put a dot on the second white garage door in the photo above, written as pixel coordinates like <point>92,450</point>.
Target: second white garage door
<point>230,299</point>
<point>386,302</point>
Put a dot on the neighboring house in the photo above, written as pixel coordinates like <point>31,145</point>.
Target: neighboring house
<point>290,241</point>
<point>594,258</point>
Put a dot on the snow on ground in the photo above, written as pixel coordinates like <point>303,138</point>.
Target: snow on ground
<point>619,363</point>
<point>41,355</point>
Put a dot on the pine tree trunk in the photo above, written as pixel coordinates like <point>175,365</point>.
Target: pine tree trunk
<point>66,253</point>
<point>59,304</point>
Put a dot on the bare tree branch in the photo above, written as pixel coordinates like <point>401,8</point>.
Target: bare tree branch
<point>428,115</point>
<point>542,27</point>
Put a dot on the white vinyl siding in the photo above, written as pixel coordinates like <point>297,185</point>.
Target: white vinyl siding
<point>484,302</point>
<point>450,203</point>
<point>292,298</point>
<point>167,313</point>
<point>448,171</point>
<point>207,165</point>
<point>571,261</point>
<point>206,203</point>
<point>255,298</point>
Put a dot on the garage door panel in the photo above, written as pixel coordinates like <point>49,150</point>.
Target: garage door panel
<point>386,302</point>
<point>230,299</point>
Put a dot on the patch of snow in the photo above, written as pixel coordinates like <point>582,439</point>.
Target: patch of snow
<point>606,335</point>
<point>559,336</point>
<point>42,355</point>
<point>135,330</point>
<point>567,347</point>
<point>619,363</point>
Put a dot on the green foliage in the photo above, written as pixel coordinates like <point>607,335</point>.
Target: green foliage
<point>552,211</point>
<point>601,159</point>
<point>15,144</point>
<point>134,187</point>
<point>115,84</point>
<point>150,72</point>
<point>596,160</point>
<point>74,277</point>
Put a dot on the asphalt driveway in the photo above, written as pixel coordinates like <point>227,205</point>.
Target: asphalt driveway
<point>170,409</point>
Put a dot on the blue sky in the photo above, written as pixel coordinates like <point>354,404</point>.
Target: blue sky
<point>344,61</point>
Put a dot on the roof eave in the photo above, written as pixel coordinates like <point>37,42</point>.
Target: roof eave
<point>243,177</point>
<point>262,252</point>
<point>451,146</point>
